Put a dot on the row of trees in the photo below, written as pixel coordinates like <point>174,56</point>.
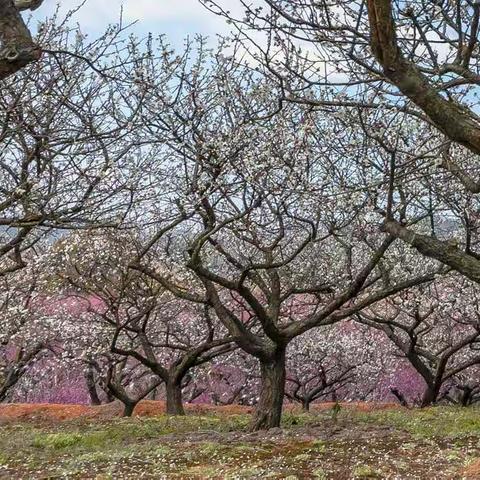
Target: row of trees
<point>129,338</point>
<point>235,208</point>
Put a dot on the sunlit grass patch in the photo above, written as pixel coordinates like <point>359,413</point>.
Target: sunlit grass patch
<point>428,422</point>
<point>366,471</point>
<point>57,440</point>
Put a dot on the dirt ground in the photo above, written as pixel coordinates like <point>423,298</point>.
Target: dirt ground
<point>147,408</point>
<point>361,441</point>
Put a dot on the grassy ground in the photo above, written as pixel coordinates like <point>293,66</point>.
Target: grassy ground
<point>436,443</point>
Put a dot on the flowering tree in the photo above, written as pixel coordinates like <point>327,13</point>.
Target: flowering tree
<point>340,362</point>
<point>128,382</point>
<point>25,334</point>
<point>436,327</point>
<point>229,379</point>
<point>278,236</point>
<point>69,139</point>
<point>141,322</point>
<point>419,59</point>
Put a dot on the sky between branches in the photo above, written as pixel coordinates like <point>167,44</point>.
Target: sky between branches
<point>176,19</point>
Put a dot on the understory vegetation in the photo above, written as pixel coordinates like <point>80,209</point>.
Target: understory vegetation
<point>434,443</point>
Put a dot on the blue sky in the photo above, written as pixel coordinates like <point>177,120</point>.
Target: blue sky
<point>175,18</point>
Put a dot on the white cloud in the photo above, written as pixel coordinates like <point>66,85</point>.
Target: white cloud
<point>151,15</point>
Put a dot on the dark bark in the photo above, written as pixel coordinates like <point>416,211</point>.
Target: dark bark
<point>174,396</point>
<point>17,48</point>
<point>268,410</point>
<point>306,405</point>
<point>11,380</point>
<point>92,387</point>
<point>400,397</point>
<point>466,397</point>
<point>128,408</point>
<point>430,395</point>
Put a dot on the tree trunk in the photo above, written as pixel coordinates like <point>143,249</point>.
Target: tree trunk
<point>92,387</point>
<point>466,398</point>
<point>268,411</point>
<point>400,397</point>
<point>12,377</point>
<point>174,397</point>
<point>18,49</point>
<point>306,405</point>
<point>430,395</point>
<point>128,408</point>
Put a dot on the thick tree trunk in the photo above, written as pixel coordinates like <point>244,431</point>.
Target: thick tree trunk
<point>128,408</point>
<point>18,49</point>
<point>268,411</point>
<point>430,395</point>
<point>306,405</point>
<point>174,397</point>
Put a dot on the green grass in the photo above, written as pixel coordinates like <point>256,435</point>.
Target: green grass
<point>365,471</point>
<point>111,434</point>
<point>428,422</point>
<point>218,446</point>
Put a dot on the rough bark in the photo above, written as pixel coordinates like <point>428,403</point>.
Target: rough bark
<point>430,395</point>
<point>455,121</point>
<point>17,48</point>
<point>174,397</point>
<point>440,250</point>
<point>268,411</point>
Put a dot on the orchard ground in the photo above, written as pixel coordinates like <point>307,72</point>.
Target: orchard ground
<point>353,442</point>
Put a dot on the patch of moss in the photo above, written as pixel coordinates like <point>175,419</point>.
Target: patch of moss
<point>365,471</point>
